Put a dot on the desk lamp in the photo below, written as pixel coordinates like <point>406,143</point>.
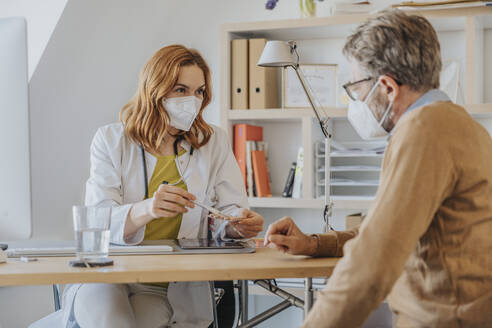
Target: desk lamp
<point>284,54</point>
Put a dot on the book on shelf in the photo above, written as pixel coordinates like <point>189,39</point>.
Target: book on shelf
<point>250,146</point>
<point>260,173</point>
<point>297,187</point>
<point>250,172</point>
<point>242,134</point>
<point>289,183</point>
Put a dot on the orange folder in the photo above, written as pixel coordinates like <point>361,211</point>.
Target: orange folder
<point>243,133</point>
<point>260,174</point>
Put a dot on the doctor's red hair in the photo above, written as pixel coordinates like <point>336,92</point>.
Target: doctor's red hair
<point>144,117</point>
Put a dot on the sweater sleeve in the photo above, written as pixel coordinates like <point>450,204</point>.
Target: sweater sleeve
<point>331,243</point>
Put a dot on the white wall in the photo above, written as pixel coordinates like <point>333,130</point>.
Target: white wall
<point>41,17</point>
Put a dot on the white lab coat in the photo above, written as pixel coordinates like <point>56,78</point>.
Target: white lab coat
<point>117,180</point>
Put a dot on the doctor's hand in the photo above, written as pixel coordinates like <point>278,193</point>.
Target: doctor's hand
<point>285,236</point>
<point>168,201</point>
<point>248,227</point>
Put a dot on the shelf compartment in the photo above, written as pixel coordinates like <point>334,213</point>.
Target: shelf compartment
<point>354,154</point>
<point>280,113</point>
<point>352,202</point>
<point>342,25</point>
<point>349,183</point>
<point>340,202</point>
<point>352,168</point>
<point>352,184</point>
<point>283,202</point>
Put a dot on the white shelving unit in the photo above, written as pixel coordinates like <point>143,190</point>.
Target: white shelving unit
<point>340,202</point>
<point>320,40</point>
<point>354,171</point>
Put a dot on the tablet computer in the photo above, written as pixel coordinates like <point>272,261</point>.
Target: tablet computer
<point>208,244</point>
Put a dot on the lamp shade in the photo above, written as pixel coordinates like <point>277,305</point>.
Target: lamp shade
<point>277,54</point>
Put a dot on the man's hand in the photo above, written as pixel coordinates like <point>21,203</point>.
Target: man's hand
<point>285,236</point>
<point>248,227</point>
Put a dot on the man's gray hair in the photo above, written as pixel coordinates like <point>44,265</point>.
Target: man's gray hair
<point>400,45</point>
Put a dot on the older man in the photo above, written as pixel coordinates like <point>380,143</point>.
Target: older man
<point>427,240</point>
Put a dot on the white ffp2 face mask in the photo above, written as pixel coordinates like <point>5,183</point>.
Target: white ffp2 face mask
<point>362,118</point>
<point>182,111</point>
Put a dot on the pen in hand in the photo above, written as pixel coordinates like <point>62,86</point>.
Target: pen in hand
<point>212,210</point>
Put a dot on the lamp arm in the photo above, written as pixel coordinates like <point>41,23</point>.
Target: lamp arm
<point>311,100</point>
<point>327,213</point>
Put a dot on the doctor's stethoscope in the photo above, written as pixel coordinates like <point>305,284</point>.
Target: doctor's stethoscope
<point>144,163</point>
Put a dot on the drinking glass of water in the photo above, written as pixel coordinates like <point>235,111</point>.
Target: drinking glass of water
<point>91,227</point>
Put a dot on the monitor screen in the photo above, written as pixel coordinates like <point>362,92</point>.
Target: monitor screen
<point>15,176</point>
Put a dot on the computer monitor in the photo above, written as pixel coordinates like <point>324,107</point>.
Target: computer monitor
<point>15,173</point>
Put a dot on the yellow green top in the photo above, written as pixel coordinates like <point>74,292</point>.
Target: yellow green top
<point>164,228</point>
<point>165,170</point>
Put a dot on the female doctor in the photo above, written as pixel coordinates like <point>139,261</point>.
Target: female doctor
<point>162,137</point>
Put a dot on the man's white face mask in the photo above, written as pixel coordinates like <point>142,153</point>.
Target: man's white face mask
<point>182,111</point>
<point>363,120</point>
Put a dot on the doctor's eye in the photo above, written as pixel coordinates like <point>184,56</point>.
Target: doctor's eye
<point>180,90</point>
<point>200,92</point>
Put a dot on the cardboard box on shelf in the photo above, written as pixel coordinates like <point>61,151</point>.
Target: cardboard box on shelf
<point>353,220</point>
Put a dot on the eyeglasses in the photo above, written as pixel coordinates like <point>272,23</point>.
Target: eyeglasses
<point>351,91</point>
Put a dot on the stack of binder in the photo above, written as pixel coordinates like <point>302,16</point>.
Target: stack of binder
<point>252,87</point>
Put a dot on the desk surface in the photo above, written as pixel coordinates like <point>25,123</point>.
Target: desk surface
<point>264,264</point>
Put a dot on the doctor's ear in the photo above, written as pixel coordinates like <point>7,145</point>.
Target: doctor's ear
<point>390,87</point>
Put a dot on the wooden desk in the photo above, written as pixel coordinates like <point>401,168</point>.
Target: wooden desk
<point>264,264</point>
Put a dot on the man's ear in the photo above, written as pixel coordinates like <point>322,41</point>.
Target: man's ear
<point>389,87</point>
